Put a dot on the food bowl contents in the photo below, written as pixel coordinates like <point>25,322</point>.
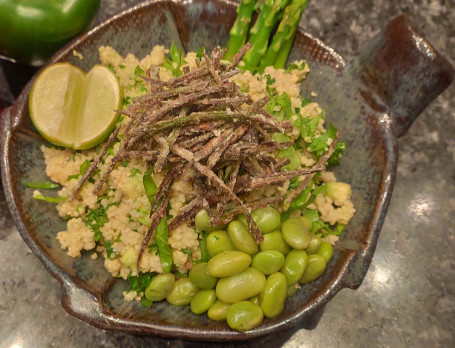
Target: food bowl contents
<point>214,189</point>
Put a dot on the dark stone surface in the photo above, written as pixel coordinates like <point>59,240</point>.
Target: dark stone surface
<point>408,295</point>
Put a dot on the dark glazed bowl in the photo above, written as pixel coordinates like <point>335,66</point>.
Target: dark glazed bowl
<point>374,99</point>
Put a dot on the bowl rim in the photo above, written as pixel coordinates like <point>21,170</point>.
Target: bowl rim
<point>75,293</point>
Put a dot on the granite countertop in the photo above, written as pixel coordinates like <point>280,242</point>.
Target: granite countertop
<point>408,295</point>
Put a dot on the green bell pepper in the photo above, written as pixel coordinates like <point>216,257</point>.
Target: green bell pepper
<point>32,30</point>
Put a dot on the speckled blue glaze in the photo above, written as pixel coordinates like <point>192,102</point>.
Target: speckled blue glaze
<point>369,165</point>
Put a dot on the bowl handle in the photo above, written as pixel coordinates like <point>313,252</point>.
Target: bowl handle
<point>401,73</point>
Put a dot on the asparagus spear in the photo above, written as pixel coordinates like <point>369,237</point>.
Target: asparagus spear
<point>269,16</point>
<point>278,50</point>
<point>237,35</point>
<point>282,57</point>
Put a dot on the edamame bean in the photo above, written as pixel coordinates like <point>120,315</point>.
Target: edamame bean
<point>160,286</point>
<point>315,243</point>
<point>266,218</point>
<point>199,276</point>
<point>326,251</point>
<point>242,238</point>
<point>182,292</point>
<point>202,301</point>
<point>255,300</point>
<point>273,296</point>
<point>202,220</point>
<point>242,219</point>
<point>315,267</point>
<point>292,289</point>
<point>228,263</point>
<point>294,266</point>
<point>241,286</point>
<point>218,311</point>
<point>306,222</point>
<point>218,241</point>
<point>268,262</point>
<point>244,315</point>
<point>296,234</point>
<point>275,241</point>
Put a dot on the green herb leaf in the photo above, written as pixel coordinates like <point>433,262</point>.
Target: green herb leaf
<point>43,185</point>
<point>50,199</point>
<point>141,282</point>
<point>280,137</point>
<point>308,127</point>
<point>134,171</point>
<point>164,249</point>
<point>149,185</point>
<point>203,244</point>
<point>84,166</point>
<point>145,302</point>
<point>290,153</point>
<point>116,240</point>
<point>139,71</point>
<point>109,250</point>
<point>126,101</point>
<point>121,66</point>
<point>334,160</point>
<point>124,163</point>
<point>110,149</point>
<point>294,66</point>
<point>318,145</point>
<point>95,219</point>
<point>111,68</point>
<point>199,52</point>
<point>52,146</point>
<point>338,229</point>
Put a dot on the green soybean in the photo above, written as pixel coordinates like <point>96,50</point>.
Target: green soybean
<point>202,221</point>
<point>242,238</point>
<point>296,234</point>
<point>307,224</point>
<point>275,241</point>
<point>292,289</point>
<point>218,310</point>
<point>326,251</point>
<point>182,292</point>
<point>273,297</point>
<point>244,315</point>
<point>315,267</point>
<point>217,242</point>
<point>199,276</point>
<point>266,218</point>
<point>160,286</point>
<point>269,261</point>
<point>202,301</point>
<point>254,299</point>
<point>294,266</point>
<point>241,286</point>
<point>242,219</point>
<point>315,243</point>
<point>228,263</point>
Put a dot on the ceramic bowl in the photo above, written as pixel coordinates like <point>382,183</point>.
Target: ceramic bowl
<point>374,98</point>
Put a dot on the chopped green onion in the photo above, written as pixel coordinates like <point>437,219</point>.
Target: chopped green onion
<point>43,185</point>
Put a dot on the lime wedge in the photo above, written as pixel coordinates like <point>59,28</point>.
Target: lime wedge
<point>73,109</point>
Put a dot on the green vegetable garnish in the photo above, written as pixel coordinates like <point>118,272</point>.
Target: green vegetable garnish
<point>50,199</point>
<point>43,185</point>
<point>149,185</point>
<point>164,250</point>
